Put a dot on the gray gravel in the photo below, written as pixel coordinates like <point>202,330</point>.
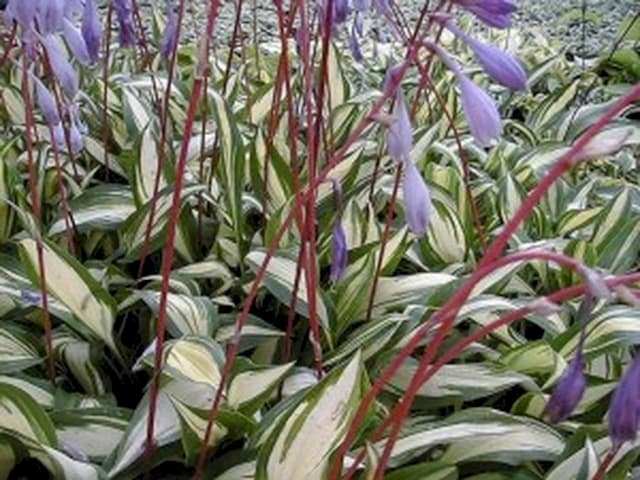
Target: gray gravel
<point>561,19</point>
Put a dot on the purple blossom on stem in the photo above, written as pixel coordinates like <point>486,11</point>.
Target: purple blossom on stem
<point>481,112</point>
<point>495,13</point>
<point>22,12</point>
<point>501,66</point>
<point>46,103</point>
<point>568,391</point>
<point>124,16</point>
<point>91,29</point>
<point>169,39</point>
<point>50,15</point>
<point>417,200</point>
<point>399,137</point>
<point>354,45</point>
<point>339,253</point>
<point>76,42</point>
<point>624,409</point>
<point>62,69</point>
<point>478,107</point>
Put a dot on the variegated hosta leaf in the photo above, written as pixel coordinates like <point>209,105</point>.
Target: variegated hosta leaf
<point>319,418</point>
<point>279,279</point>
<point>82,360</point>
<point>104,207</point>
<point>186,314</point>
<point>21,414</point>
<point>195,358</point>
<point>133,234</point>
<point>254,333</point>
<point>17,351</point>
<point>95,432</point>
<point>252,385</point>
<point>146,167</point>
<point>479,434</point>
<point>460,382</point>
<point>72,285</point>
<point>38,389</point>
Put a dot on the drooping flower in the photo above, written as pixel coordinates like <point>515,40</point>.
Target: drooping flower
<point>91,29</point>
<point>480,110</point>
<point>46,103</point>
<point>124,16</point>
<point>498,64</point>
<point>399,133</point>
<point>62,69</point>
<point>624,409</point>
<point>50,15</point>
<point>568,391</point>
<point>22,12</point>
<point>417,200</point>
<point>76,42</point>
<point>495,13</point>
<point>169,39</point>
<point>75,138</point>
<point>340,11</point>
<point>339,253</point>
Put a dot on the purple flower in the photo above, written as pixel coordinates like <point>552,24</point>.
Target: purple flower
<point>499,65</point>
<point>62,69</point>
<point>75,138</point>
<point>124,16</point>
<point>568,391</point>
<point>50,16</point>
<point>170,36</point>
<point>624,409</point>
<point>339,254</point>
<point>399,137</point>
<point>481,111</point>
<point>417,200</point>
<point>91,29</point>
<point>46,103</point>
<point>340,11</point>
<point>76,42</point>
<point>22,12</point>
<point>496,13</point>
<point>361,5</point>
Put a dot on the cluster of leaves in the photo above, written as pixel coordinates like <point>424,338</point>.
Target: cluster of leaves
<point>481,413</point>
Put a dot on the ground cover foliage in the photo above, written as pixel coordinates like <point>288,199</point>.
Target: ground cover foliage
<point>169,285</point>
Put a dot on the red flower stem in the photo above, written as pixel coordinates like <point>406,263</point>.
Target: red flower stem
<point>37,213</point>
<point>606,463</point>
<point>273,245</point>
<point>446,317</point>
<point>477,335</point>
<point>164,115</point>
<point>385,237</point>
<point>174,214</point>
<point>566,162</point>
<point>562,165</point>
<point>69,224</point>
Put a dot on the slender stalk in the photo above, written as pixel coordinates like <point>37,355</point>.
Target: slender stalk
<point>37,213</point>
<point>385,237</point>
<point>105,92</point>
<point>606,463</point>
<point>9,44</point>
<point>167,254</point>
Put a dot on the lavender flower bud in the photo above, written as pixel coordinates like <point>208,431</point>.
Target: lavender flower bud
<point>358,24</point>
<point>91,29</point>
<point>75,139</point>
<point>61,67</point>
<point>50,16</point>
<point>340,11</point>
<point>499,65</point>
<point>170,36</point>
<point>361,5</point>
<point>57,138</point>
<point>624,409</point>
<point>495,13</point>
<point>481,111</point>
<point>417,200</point>
<point>46,103</point>
<point>22,12</point>
<point>568,391</point>
<point>124,16</point>
<point>339,254</point>
<point>399,138</point>
<point>76,42</point>
<point>596,286</point>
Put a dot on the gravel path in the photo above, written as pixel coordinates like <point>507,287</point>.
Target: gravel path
<point>562,19</point>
